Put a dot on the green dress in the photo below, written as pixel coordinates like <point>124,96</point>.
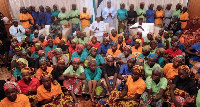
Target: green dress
<point>198,99</point>
<point>55,13</point>
<point>139,11</point>
<point>176,13</point>
<point>148,70</point>
<point>62,16</point>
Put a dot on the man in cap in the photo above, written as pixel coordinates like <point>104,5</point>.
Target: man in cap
<point>17,31</point>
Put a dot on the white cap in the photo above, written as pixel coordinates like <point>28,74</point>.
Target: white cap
<point>108,1</point>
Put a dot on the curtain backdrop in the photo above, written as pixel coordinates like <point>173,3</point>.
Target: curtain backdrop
<point>16,4</point>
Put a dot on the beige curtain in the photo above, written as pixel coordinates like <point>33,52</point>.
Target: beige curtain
<point>16,4</point>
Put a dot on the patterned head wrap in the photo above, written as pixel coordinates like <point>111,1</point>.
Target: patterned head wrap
<point>76,60</point>
<point>94,37</point>
<point>11,84</point>
<point>122,4</point>
<point>63,8</point>
<point>113,43</point>
<point>154,56</point>
<point>26,69</point>
<point>136,54</point>
<point>80,46</point>
<point>61,59</point>
<point>38,45</point>
<point>63,40</point>
<point>147,48</point>
<point>139,69</point>
<point>14,39</point>
<point>158,69</point>
<point>89,43</point>
<point>24,61</point>
<point>47,7</point>
<point>48,74</point>
<point>40,52</point>
<point>18,48</point>
<point>109,57</point>
<point>142,3</point>
<point>178,57</point>
<point>92,48</point>
<point>128,47</point>
<point>132,57</point>
<point>23,51</point>
<point>139,40</point>
<point>153,41</point>
<point>185,68</point>
<point>43,59</point>
<point>58,50</point>
<point>88,61</point>
<point>113,30</point>
<point>74,41</point>
<point>55,5</point>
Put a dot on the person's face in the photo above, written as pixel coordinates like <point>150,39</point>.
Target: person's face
<point>15,23</point>
<point>159,8</point>
<point>114,47</point>
<point>155,76</point>
<point>177,63</point>
<point>140,22</point>
<point>21,65</point>
<point>168,7</point>
<point>137,44</point>
<point>17,52</point>
<point>61,65</point>
<point>35,34</point>
<point>151,7</point>
<point>110,62</point>
<point>120,39</point>
<point>73,44</point>
<point>82,36</point>
<point>131,63</point>
<point>122,6</point>
<point>73,7</point>
<point>160,32</point>
<point>58,54</point>
<point>27,40</point>
<point>48,9</point>
<point>153,45</point>
<point>98,19</point>
<point>151,62</point>
<point>11,94</point>
<point>149,36</point>
<point>46,81</point>
<point>42,38</point>
<point>28,32</point>
<point>24,55</point>
<point>55,8</point>
<point>114,33</point>
<point>26,76</point>
<point>105,42</point>
<point>141,6</point>
<point>24,10</point>
<point>182,74</point>
<point>42,9</point>
<point>84,10</point>
<point>174,19</point>
<point>93,66</point>
<point>173,40</point>
<point>184,9</point>
<point>126,36</point>
<point>62,42</point>
<point>175,47</point>
<point>50,43</point>
<point>75,65</point>
<point>109,4</point>
<point>135,75</point>
<point>127,52</point>
<point>43,66</point>
<point>93,52</point>
<point>88,46</point>
<point>131,7</point>
<point>79,50</point>
<point>33,8</point>
<point>94,40</point>
<point>177,6</point>
<point>145,52</point>
<point>63,10</point>
<point>158,53</point>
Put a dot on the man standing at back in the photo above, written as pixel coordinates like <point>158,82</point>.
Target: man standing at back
<point>108,14</point>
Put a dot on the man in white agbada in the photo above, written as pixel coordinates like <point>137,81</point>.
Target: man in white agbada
<point>108,14</point>
<point>98,27</point>
<point>141,28</point>
<point>17,31</point>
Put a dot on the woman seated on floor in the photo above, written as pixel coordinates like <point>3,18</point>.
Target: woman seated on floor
<point>13,96</point>
<point>156,85</point>
<point>110,72</point>
<point>29,86</point>
<point>150,65</point>
<point>99,59</point>
<point>183,90</point>
<point>21,63</point>
<point>50,93</point>
<point>80,53</point>
<point>134,88</point>
<point>122,57</point>
<point>73,77</point>
<point>93,85</point>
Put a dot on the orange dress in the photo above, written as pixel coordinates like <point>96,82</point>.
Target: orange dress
<point>43,94</point>
<point>160,13</point>
<point>84,22</point>
<point>184,16</point>
<point>169,71</point>
<point>114,38</point>
<point>57,39</point>
<point>26,17</point>
<point>123,43</point>
<point>137,50</point>
<point>40,71</point>
<point>21,101</point>
<point>110,52</point>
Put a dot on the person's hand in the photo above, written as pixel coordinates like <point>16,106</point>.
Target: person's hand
<point>53,98</point>
<point>198,53</point>
<point>132,19</point>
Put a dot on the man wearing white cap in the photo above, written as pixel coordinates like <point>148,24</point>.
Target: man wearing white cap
<point>108,14</point>
<point>17,31</point>
<point>98,27</point>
